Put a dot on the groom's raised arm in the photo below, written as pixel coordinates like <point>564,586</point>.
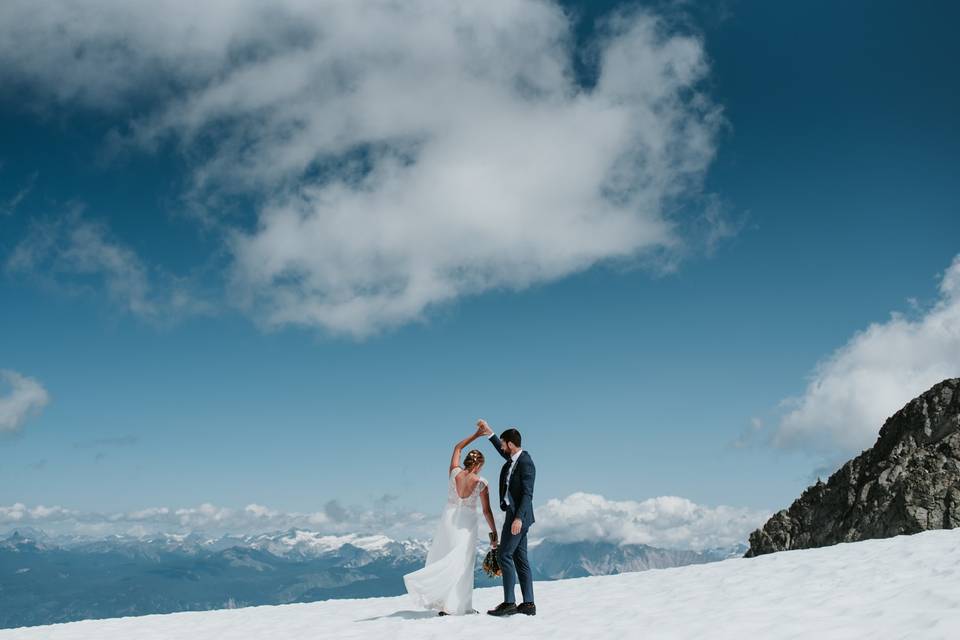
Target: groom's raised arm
<point>494,440</point>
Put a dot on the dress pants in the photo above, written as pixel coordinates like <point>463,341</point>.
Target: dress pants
<point>512,554</point>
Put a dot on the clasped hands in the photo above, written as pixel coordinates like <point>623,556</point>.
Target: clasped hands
<point>483,428</point>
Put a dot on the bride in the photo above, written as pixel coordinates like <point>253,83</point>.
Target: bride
<point>446,582</point>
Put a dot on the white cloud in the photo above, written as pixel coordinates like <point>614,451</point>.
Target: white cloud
<point>749,434</point>
<point>10,206</point>
<point>69,252</point>
<point>854,390</point>
<point>402,155</point>
<point>667,521</point>
<point>216,520</point>
<point>20,398</point>
<point>19,513</point>
<point>100,62</point>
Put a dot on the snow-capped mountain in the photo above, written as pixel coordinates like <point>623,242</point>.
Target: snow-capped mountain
<point>554,561</point>
<point>309,544</point>
<point>73,578</point>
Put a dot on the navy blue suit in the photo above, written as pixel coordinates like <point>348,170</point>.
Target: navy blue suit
<point>516,501</point>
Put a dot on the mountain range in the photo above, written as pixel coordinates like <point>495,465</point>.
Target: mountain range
<point>48,579</point>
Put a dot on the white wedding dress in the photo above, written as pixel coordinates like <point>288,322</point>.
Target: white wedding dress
<point>446,582</point>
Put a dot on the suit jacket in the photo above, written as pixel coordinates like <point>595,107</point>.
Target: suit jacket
<point>521,484</point>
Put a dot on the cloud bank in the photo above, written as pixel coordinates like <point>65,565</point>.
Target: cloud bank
<point>400,155</point>
<point>20,398</point>
<point>854,390</point>
<point>669,522</point>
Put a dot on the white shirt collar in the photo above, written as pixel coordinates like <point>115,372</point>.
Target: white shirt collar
<point>516,455</point>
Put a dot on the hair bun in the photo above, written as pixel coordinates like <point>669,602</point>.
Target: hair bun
<point>473,459</point>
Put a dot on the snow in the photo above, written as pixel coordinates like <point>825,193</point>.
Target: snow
<point>316,543</point>
<point>904,587</point>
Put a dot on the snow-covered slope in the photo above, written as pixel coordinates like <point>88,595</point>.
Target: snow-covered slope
<point>904,587</point>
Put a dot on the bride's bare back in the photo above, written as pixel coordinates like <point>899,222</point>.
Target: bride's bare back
<point>463,481</point>
<point>467,483</point>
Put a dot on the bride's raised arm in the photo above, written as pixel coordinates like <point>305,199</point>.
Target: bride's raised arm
<point>457,448</point>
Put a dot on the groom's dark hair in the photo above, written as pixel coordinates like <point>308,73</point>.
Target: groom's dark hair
<point>511,435</point>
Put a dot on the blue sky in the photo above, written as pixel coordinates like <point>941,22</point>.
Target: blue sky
<point>822,196</point>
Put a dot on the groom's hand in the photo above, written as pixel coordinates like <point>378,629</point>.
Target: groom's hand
<point>516,526</point>
<point>484,427</point>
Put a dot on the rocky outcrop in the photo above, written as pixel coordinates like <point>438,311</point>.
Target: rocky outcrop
<point>908,482</point>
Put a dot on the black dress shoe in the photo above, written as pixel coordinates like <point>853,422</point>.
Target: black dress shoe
<point>504,609</point>
<point>527,608</point>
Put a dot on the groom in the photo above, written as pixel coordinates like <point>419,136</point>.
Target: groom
<point>516,499</point>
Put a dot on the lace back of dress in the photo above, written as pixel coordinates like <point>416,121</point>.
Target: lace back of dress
<point>453,498</point>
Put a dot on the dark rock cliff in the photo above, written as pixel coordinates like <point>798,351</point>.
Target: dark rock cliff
<point>908,482</point>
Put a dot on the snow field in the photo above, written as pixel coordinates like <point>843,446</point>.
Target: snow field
<point>904,587</point>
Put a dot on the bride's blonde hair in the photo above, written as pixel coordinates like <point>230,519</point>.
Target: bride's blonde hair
<point>473,459</point>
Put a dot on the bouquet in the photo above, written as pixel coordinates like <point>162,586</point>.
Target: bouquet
<point>491,565</point>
